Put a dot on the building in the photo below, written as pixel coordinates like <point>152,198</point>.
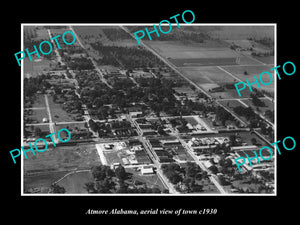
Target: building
<point>147,170</point>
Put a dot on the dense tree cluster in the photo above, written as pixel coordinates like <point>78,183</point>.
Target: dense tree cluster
<point>34,84</point>
<point>270,114</point>
<point>186,176</point>
<point>174,35</point>
<point>79,63</point>
<point>115,34</point>
<point>118,181</point>
<point>222,115</point>
<point>55,188</point>
<point>249,114</point>
<point>127,57</point>
<point>256,101</point>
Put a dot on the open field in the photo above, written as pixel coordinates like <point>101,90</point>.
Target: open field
<point>178,50</point>
<point>265,59</point>
<point>203,61</point>
<point>43,180</point>
<point>207,74</point>
<point>36,66</point>
<point>57,112</point>
<point>62,158</point>
<point>74,183</point>
<point>113,157</point>
<point>241,32</point>
<point>42,34</point>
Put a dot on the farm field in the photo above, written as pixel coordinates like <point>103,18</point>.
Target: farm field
<point>265,59</point>
<point>209,77</point>
<point>92,34</point>
<point>241,32</point>
<point>182,62</point>
<point>178,50</point>
<point>252,71</point>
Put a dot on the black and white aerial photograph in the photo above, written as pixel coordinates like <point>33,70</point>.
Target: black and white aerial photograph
<point>160,116</point>
<point>129,113</point>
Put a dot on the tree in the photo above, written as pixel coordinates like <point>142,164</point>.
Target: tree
<point>37,132</point>
<point>93,125</point>
<point>90,187</point>
<point>214,169</point>
<point>101,172</point>
<point>232,139</point>
<point>120,173</point>
<point>196,188</point>
<point>57,189</point>
<point>253,141</point>
<point>122,187</point>
<point>104,186</point>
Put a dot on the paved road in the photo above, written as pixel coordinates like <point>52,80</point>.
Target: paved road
<point>212,179</point>
<point>51,124</point>
<point>152,156</point>
<point>198,162</point>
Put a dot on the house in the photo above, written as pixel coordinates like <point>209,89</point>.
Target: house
<point>207,164</point>
<point>135,113</point>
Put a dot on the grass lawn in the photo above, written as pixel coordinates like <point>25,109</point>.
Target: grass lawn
<point>44,180</point>
<point>36,66</point>
<point>75,183</point>
<point>37,116</point>
<point>113,157</point>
